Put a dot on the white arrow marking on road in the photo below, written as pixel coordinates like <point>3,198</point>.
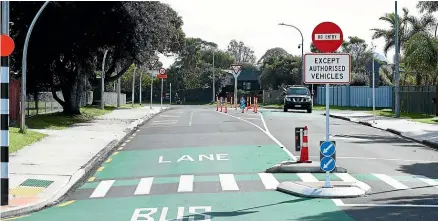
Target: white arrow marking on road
<point>328,163</point>
<point>328,148</point>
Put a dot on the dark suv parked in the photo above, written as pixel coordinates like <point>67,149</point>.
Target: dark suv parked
<point>297,97</point>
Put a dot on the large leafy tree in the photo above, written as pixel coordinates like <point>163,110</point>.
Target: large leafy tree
<point>273,52</point>
<point>280,70</point>
<point>241,52</point>
<point>79,32</point>
<point>427,6</point>
<point>359,52</point>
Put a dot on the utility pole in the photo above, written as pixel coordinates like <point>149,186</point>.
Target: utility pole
<point>170,94</point>
<point>133,85</point>
<point>4,15</point>
<point>214,86</point>
<point>102,86</point>
<point>118,91</point>
<point>397,76</point>
<point>374,84</point>
<point>24,66</point>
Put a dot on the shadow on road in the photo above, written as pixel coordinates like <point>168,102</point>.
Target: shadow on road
<point>236,212</point>
<point>429,170</point>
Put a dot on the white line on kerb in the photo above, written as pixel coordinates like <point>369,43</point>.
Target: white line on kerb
<point>266,132</point>
<point>191,118</point>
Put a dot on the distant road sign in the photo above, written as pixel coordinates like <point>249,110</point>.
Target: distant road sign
<point>328,148</point>
<point>328,164</point>
<point>236,69</point>
<point>7,45</point>
<point>327,68</point>
<point>162,76</point>
<point>162,71</point>
<point>327,37</point>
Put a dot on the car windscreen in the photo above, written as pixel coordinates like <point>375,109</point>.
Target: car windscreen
<point>297,91</point>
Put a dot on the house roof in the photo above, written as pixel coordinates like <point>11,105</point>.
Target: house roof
<point>246,75</point>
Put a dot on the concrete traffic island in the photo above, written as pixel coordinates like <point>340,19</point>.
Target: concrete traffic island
<point>339,189</point>
<point>297,167</point>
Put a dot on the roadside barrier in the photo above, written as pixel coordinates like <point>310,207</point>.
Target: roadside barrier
<point>217,103</point>
<point>226,104</point>
<point>255,105</point>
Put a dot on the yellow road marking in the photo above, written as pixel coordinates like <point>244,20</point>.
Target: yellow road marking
<point>109,160</point>
<point>100,169</point>
<point>115,153</point>
<point>67,203</point>
<point>91,179</point>
<point>15,217</point>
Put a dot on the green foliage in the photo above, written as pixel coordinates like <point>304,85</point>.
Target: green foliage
<point>360,54</point>
<point>280,70</point>
<point>241,52</point>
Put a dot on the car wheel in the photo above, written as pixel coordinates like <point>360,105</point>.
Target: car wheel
<point>284,109</point>
<point>309,111</point>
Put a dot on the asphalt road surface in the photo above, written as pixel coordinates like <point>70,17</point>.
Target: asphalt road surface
<point>193,163</point>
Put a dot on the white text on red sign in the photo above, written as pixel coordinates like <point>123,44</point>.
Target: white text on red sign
<point>325,37</point>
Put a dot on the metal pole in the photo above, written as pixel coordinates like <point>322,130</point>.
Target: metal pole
<point>118,92</point>
<point>24,66</point>
<point>235,88</point>
<point>302,50</point>
<point>214,86</point>
<point>397,77</point>
<point>4,94</point>
<point>170,94</point>
<point>161,93</point>
<point>374,87</point>
<point>140,89</point>
<point>102,88</point>
<point>327,183</point>
<point>152,86</point>
<point>133,85</point>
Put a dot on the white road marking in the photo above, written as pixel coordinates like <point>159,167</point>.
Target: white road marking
<point>191,118</point>
<point>102,188</point>
<point>186,183</point>
<point>429,181</point>
<point>144,187</point>
<point>307,177</point>
<point>269,181</point>
<point>374,158</point>
<point>267,133</point>
<point>228,182</point>
<point>338,202</point>
<point>170,115</point>
<point>251,118</point>
<point>349,178</point>
<point>391,181</point>
<point>164,121</point>
<point>389,205</point>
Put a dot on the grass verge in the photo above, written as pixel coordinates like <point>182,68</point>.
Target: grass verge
<point>59,121</point>
<point>422,118</point>
<point>19,140</point>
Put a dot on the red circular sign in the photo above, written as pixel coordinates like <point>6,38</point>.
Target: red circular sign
<point>7,45</point>
<point>162,71</point>
<point>327,37</point>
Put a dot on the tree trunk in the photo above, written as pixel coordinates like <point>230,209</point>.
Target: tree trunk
<point>72,93</point>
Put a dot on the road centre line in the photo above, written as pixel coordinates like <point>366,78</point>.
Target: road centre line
<point>266,132</point>
<point>191,118</point>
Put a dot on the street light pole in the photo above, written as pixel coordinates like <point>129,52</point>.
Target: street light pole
<point>102,89</point>
<point>302,50</point>
<point>133,85</point>
<point>374,86</point>
<point>24,68</point>
<point>214,86</point>
<point>397,76</point>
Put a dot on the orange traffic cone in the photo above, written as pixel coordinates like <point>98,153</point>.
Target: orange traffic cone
<point>304,154</point>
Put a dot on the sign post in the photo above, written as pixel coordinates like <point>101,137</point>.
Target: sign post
<point>327,68</point>
<point>236,72</point>
<point>162,75</point>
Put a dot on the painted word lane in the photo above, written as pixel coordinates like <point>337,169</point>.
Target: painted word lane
<point>327,68</point>
<point>193,158</point>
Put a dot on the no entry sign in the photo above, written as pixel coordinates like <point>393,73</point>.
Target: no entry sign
<point>327,37</point>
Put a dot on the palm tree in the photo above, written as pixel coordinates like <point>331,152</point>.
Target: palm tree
<point>427,6</point>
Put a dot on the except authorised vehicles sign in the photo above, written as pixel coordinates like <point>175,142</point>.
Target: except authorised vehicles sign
<point>327,68</point>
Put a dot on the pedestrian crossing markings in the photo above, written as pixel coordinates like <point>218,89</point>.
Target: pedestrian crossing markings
<point>228,182</point>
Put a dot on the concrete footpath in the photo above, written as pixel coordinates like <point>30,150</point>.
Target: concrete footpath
<point>42,173</point>
<point>426,134</point>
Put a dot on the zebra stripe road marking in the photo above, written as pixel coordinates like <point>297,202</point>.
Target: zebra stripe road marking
<point>228,182</point>
<point>186,183</point>
<point>102,189</point>
<point>269,181</point>
<point>391,181</point>
<point>307,177</point>
<point>144,187</point>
